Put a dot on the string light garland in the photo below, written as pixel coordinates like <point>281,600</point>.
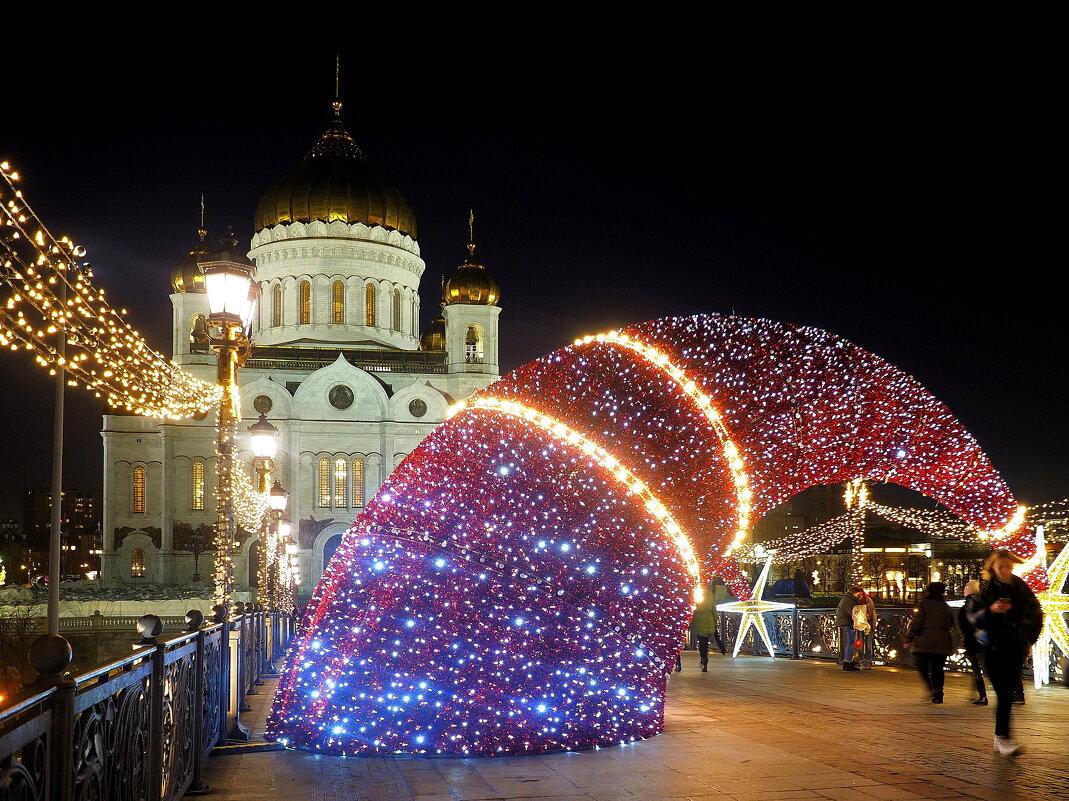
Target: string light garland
<point>515,587</point>
<point>49,299</point>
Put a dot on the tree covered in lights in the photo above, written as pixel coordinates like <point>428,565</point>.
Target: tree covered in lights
<point>523,581</point>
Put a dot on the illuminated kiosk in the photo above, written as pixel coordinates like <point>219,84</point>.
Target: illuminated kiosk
<point>523,581</point>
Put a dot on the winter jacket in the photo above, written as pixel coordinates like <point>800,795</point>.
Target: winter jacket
<point>930,629</point>
<point>844,612</point>
<point>704,622</point>
<point>968,630</point>
<point>1013,631</point>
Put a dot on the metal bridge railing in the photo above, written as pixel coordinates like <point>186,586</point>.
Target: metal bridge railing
<point>140,727</point>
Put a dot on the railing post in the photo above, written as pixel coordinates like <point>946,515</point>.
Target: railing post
<point>49,655</point>
<point>261,645</point>
<point>150,627</point>
<point>235,685</point>
<point>796,645</point>
<point>223,721</point>
<point>195,622</point>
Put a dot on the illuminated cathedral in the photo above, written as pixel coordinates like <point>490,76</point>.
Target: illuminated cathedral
<point>338,365</point>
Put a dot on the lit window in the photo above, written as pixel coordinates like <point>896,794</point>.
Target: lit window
<point>369,305</point>
<point>139,490</point>
<point>337,302</point>
<point>305,303</point>
<point>198,485</point>
<point>341,481</point>
<point>397,310</point>
<point>276,305</point>
<point>358,483</point>
<point>324,483</point>
<point>137,562</point>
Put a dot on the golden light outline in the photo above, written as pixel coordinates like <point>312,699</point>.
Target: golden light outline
<point>632,483</point>
<point>661,360</point>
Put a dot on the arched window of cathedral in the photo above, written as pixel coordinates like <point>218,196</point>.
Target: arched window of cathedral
<point>198,485</point>
<point>337,302</point>
<point>397,310</point>
<point>473,345</point>
<point>369,305</point>
<point>138,491</point>
<point>341,481</point>
<point>358,483</point>
<point>276,305</point>
<point>323,483</point>
<point>137,562</point>
<point>305,305</point>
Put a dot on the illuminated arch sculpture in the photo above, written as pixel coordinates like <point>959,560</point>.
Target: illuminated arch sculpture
<point>522,582</point>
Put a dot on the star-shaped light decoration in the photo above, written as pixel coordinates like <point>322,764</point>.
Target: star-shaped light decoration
<point>752,611</point>
<point>1055,603</point>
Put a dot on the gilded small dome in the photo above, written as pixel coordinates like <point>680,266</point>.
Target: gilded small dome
<point>471,283</point>
<point>335,181</point>
<point>433,336</point>
<point>187,275</point>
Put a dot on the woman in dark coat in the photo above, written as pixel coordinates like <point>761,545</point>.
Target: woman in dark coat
<point>1008,619</point>
<point>930,640</point>
<point>973,649</point>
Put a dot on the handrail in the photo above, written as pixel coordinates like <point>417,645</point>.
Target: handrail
<point>164,696</point>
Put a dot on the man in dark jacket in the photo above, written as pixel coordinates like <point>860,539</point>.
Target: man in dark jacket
<point>844,619</point>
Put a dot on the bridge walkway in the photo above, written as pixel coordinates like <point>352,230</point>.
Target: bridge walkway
<point>751,729</point>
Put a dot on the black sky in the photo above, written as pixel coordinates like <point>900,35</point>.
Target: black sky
<point>902,193</point>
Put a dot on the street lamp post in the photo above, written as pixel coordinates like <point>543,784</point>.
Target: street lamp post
<point>232,295</point>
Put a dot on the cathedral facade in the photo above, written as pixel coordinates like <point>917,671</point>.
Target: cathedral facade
<point>337,365</point>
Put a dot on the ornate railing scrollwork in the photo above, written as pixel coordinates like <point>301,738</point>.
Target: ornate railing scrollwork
<point>134,729</point>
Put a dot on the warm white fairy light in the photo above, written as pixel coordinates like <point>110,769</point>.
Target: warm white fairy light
<point>51,300</point>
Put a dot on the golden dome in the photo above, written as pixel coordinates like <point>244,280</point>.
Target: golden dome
<point>433,336</point>
<point>187,276</point>
<point>335,181</point>
<point>471,283</point>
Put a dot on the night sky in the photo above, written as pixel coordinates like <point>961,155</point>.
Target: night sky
<point>902,195</point>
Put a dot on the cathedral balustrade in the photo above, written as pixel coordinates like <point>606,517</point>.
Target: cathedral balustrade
<point>139,727</point>
<point>375,361</point>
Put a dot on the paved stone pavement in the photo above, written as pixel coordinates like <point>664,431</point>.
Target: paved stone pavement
<point>751,729</point>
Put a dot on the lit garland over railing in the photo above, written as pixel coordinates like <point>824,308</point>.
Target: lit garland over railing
<point>50,299</point>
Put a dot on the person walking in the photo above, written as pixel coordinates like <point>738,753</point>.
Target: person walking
<point>703,626</point>
<point>929,638</point>
<point>1007,618</point>
<point>973,649</point>
<point>844,619</point>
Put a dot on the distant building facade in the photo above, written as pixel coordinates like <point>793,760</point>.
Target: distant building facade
<point>80,531</point>
<point>338,366</point>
